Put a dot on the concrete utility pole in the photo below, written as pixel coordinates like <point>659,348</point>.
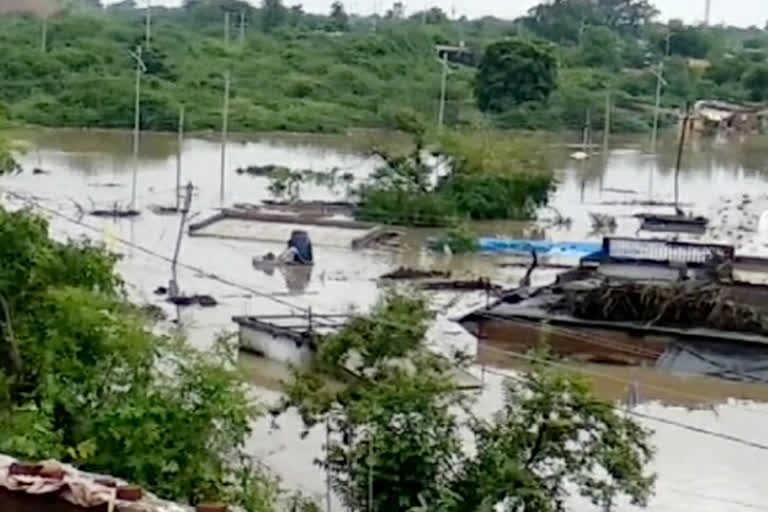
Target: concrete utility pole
<point>226,28</point>
<point>586,142</point>
<point>242,29</point>
<point>224,132</point>
<point>707,11</point>
<point>44,34</point>
<point>659,82</point>
<point>607,128</point>
<point>148,24</point>
<point>136,119</point>
<point>443,83</point>
<point>173,286</point>
<point>179,144</point>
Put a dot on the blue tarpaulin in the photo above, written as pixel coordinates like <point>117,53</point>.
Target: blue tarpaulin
<point>541,247</point>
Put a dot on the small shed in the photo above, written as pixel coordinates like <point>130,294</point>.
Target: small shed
<point>712,115</point>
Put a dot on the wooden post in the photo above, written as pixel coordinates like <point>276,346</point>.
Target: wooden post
<point>224,134</point>
<point>327,461</point>
<point>680,147</point>
<point>179,146</point>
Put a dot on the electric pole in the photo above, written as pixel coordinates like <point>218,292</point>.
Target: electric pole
<point>659,82</point>
<point>242,29</point>
<point>226,28</point>
<point>173,286</point>
<point>136,119</point>
<point>443,83</point>
<point>179,144</point>
<point>224,130</point>
<point>707,11</point>
<point>148,24</point>
<point>607,128</point>
<point>44,35</point>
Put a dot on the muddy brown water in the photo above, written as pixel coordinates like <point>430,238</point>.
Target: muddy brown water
<point>93,169</point>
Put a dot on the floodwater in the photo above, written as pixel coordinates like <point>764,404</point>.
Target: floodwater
<point>93,169</point>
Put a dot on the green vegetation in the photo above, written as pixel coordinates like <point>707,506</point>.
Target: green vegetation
<point>309,72</point>
<point>83,379</point>
<point>396,435</point>
<point>514,72</point>
<point>486,177</point>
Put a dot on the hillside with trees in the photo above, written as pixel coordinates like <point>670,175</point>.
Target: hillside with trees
<point>300,71</point>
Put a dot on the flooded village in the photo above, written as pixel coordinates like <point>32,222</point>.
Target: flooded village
<point>668,325</point>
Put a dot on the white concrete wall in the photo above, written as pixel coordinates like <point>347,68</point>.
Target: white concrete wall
<point>276,348</point>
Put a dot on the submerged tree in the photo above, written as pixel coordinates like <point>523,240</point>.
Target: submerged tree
<point>395,441</point>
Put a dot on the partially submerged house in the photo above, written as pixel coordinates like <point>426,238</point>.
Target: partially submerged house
<point>673,305</point>
<point>711,116</point>
<point>294,339</point>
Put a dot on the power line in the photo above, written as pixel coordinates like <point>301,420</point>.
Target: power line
<point>679,424</point>
<point>228,282</point>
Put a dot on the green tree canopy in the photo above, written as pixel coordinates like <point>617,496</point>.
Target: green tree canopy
<point>564,20</point>
<point>601,48</point>
<point>514,72</point>
<point>84,379</point>
<point>394,435</point>
<point>755,81</point>
<point>273,14</point>
<point>339,19</point>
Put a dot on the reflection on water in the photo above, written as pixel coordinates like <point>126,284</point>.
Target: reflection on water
<point>695,472</point>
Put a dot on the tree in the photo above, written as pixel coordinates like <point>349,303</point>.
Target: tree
<point>514,72</point>
<point>397,12</point>
<point>84,379</point>
<point>550,420</point>
<point>395,442</point>
<point>339,19</point>
<point>687,41</point>
<point>626,17</point>
<point>601,48</point>
<point>272,14</point>
<point>564,20</point>
<point>755,81</point>
<point>432,16</point>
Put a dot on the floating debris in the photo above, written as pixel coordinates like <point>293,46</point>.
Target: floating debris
<point>191,300</point>
<point>404,273</point>
<point>642,202</point>
<point>164,210</point>
<point>262,170</point>
<point>466,285</point>
<point>115,213</point>
<point>39,171</point>
<point>153,312</point>
<point>602,221</point>
<point>676,304</point>
<point>105,185</point>
<point>619,190</point>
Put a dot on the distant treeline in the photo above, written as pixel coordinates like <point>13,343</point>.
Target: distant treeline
<point>301,71</point>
